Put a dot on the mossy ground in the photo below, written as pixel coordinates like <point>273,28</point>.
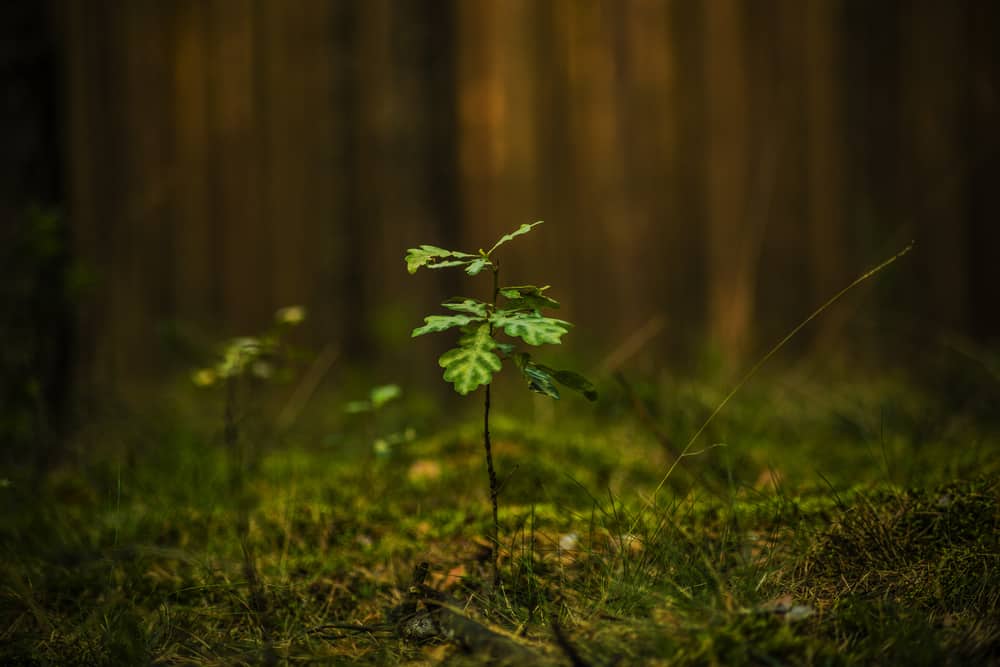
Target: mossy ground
<point>840,523</point>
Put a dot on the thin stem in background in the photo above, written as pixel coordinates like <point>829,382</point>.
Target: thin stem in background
<point>753,371</point>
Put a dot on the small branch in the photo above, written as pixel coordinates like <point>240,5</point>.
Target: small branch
<point>307,386</point>
<point>235,450</point>
<point>476,638</point>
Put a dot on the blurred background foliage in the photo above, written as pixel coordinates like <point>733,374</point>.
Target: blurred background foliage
<point>710,172</point>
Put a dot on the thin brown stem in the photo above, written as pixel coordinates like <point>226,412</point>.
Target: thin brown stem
<point>231,437</point>
<point>494,491</point>
<point>495,538</point>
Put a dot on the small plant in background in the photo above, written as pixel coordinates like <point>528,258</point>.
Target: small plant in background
<point>254,356</point>
<point>515,311</point>
<point>372,407</point>
<point>261,358</point>
<point>377,397</point>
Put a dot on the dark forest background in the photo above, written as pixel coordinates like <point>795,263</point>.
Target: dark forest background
<point>709,172</point>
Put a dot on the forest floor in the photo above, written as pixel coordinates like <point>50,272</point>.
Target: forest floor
<point>831,522</point>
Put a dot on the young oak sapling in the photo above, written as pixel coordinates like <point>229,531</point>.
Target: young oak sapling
<point>515,311</point>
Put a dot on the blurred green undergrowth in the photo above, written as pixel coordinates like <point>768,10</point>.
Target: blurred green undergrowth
<point>837,521</point>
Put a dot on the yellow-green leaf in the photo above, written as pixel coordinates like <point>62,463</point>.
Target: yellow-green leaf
<point>466,305</point>
<point>523,229</point>
<point>527,297</point>
<point>473,362</point>
<point>384,393</point>
<point>532,328</point>
<point>432,257</point>
<point>436,323</point>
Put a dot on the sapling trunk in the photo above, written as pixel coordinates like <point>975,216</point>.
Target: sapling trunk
<point>231,437</point>
<point>479,356</point>
<point>495,538</point>
<point>238,461</point>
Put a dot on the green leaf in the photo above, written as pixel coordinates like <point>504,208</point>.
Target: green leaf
<point>431,256</point>
<point>448,264</point>
<point>240,353</point>
<point>436,323</point>
<point>523,229</point>
<point>357,407</point>
<point>463,304</point>
<point>574,381</point>
<point>539,378</point>
<point>290,315</point>
<point>473,362</point>
<point>417,257</point>
<point>527,297</point>
<point>517,291</point>
<point>532,328</point>
<point>477,265</point>
<point>382,394</point>
<point>542,379</point>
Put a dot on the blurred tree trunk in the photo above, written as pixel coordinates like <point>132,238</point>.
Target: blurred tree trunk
<point>825,160</point>
<point>498,161</point>
<point>119,184</point>
<point>227,157</point>
<point>777,223</point>
<point>649,233</point>
<point>687,266</point>
<point>607,232</point>
<point>86,182</point>
<point>406,168</point>
<point>557,185</point>
<point>935,69</point>
<point>873,149</point>
<point>207,171</point>
<point>285,127</point>
<point>194,284</point>
<point>482,132</point>
<point>234,118</point>
<point>303,76</point>
<point>732,240</point>
<point>36,309</point>
<point>144,238</point>
<point>982,141</point>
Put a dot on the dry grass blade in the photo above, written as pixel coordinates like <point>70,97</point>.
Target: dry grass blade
<point>757,366</point>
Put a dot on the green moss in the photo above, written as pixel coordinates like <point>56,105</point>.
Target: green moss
<point>136,555</point>
<point>924,561</point>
